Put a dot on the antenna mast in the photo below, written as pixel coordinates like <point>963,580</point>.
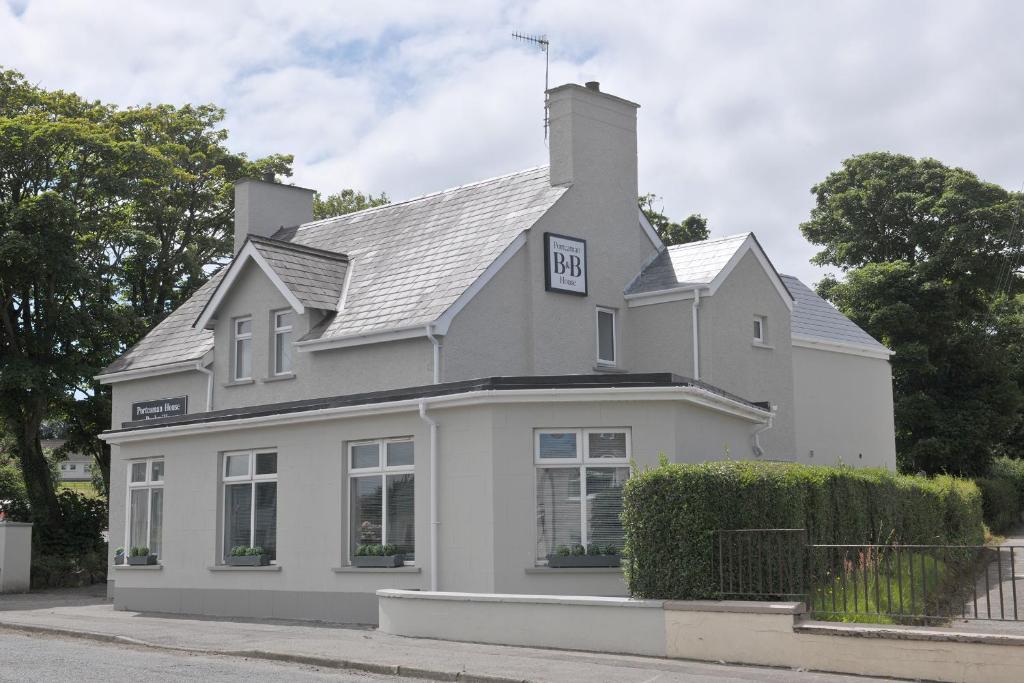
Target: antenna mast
<point>540,41</point>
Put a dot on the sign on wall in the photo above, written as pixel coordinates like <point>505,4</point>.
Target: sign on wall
<point>565,264</point>
<point>161,407</point>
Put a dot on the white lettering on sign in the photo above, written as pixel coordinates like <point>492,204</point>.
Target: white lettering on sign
<point>565,261</point>
<point>162,407</point>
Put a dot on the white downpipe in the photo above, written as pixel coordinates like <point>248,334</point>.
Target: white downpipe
<point>755,440</point>
<point>696,335</point>
<point>437,353</point>
<point>434,521</point>
<point>209,385</point>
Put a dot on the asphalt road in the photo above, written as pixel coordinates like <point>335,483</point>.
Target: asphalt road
<point>42,659</point>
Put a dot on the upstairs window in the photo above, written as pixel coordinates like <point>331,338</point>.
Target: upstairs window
<point>243,348</point>
<point>606,336</point>
<point>283,323</point>
<point>759,329</point>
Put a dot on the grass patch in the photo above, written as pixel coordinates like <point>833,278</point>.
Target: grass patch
<point>84,487</point>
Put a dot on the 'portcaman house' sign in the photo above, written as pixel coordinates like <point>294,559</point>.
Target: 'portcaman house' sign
<point>161,407</point>
<point>565,264</point>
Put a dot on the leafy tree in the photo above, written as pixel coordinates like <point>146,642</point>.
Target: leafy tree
<point>929,254</point>
<point>346,201</point>
<point>693,228</point>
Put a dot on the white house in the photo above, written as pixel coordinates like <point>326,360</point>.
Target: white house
<point>468,376</point>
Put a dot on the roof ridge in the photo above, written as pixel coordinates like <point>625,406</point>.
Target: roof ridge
<point>297,246</point>
<point>710,241</point>
<point>371,209</point>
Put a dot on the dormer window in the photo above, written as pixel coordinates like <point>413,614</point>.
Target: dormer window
<point>243,348</point>
<point>284,321</point>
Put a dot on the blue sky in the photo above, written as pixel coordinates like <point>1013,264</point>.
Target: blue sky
<point>744,104</point>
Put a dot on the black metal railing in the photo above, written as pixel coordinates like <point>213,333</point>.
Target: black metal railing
<point>868,582</point>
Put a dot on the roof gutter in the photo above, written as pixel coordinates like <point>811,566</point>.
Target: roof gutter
<point>140,373</point>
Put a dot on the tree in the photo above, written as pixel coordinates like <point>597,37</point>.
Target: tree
<point>930,254</point>
<point>346,201</point>
<point>693,228</point>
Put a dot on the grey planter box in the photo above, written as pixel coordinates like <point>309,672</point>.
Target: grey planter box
<point>119,558</point>
<point>378,561</point>
<point>248,560</point>
<point>141,560</point>
<point>567,561</point>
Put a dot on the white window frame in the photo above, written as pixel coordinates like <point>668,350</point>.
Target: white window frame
<point>582,460</point>
<point>149,484</point>
<point>762,323</point>
<point>237,337</point>
<point>276,341</point>
<point>613,362</point>
<point>251,477</point>
<point>381,470</point>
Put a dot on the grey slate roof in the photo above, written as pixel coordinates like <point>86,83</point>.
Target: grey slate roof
<point>695,263</point>
<point>815,318</point>
<point>410,262</point>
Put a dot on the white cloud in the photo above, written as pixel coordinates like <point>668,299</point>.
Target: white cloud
<point>745,104</point>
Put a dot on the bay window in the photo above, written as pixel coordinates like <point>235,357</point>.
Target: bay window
<point>250,501</point>
<point>145,505</point>
<point>580,477</point>
<point>382,495</point>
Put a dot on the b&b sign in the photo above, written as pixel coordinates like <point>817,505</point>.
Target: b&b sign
<point>565,264</point>
<point>161,407</point>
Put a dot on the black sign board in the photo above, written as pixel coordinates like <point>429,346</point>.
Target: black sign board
<point>565,264</point>
<point>161,407</point>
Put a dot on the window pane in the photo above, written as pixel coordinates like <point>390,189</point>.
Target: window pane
<point>266,463</point>
<point>757,329</point>
<point>366,511</point>
<point>243,327</point>
<point>237,516</point>
<point>266,518</point>
<point>604,505</point>
<point>607,445</point>
<point>400,453</point>
<point>365,455</point>
<point>238,465</point>
<point>243,358</point>
<point>401,520</point>
<point>606,336</point>
<point>139,502</point>
<point>558,445</point>
<point>282,352</point>
<point>138,471</point>
<point>284,319</point>
<point>156,521</point>
<point>558,509</point>
<point>157,471</point>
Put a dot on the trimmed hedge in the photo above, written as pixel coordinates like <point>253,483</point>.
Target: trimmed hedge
<point>1003,491</point>
<point>670,514</point>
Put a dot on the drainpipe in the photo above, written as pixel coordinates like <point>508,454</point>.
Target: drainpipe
<point>209,384</point>
<point>437,352</point>
<point>755,438</point>
<point>434,523</point>
<point>696,335</point>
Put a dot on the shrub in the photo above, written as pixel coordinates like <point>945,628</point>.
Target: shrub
<point>1012,471</point>
<point>670,514</point>
<point>246,550</point>
<point>376,550</point>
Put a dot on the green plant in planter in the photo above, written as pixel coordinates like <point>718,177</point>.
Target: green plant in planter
<point>247,551</point>
<point>378,555</point>
<point>376,550</point>
<point>139,555</point>
<point>138,551</point>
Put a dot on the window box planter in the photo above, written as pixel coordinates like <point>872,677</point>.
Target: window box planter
<point>248,560</point>
<point>119,558</point>
<point>137,560</point>
<point>378,561</point>
<point>567,561</point>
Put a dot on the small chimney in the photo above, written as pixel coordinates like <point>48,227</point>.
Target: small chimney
<point>593,85</point>
<point>263,207</point>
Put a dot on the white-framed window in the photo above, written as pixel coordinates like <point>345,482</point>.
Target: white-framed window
<point>382,493</point>
<point>145,518</point>
<point>580,476</point>
<point>250,500</point>
<point>607,337</point>
<point>760,322</point>
<point>284,321</point>
<point>242,333</point>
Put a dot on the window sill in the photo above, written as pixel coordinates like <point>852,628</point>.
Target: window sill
<point>610,368</point>
<point>573,570</point>
<point>230,568</point>
<point>238,383</point>
<point>278,378</point>
<point>761,345</point>
<point>139,567</point>
<point>376,570</point>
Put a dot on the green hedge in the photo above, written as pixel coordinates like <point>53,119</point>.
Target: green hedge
<point>670,514</point>
<point>1003,491</point>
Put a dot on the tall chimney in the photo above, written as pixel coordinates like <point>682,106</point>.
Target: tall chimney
<point>262,207</point>
<point>593,139</point>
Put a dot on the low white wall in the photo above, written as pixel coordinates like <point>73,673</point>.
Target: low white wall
<point>15,557</point>
<point>567,622</point>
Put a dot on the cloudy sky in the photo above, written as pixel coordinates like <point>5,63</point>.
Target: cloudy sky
<point>745,105</point>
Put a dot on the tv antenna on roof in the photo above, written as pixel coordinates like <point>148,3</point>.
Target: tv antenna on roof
<point>540,41</point>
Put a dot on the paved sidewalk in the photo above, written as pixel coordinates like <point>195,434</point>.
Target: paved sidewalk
<point>365,649</point>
